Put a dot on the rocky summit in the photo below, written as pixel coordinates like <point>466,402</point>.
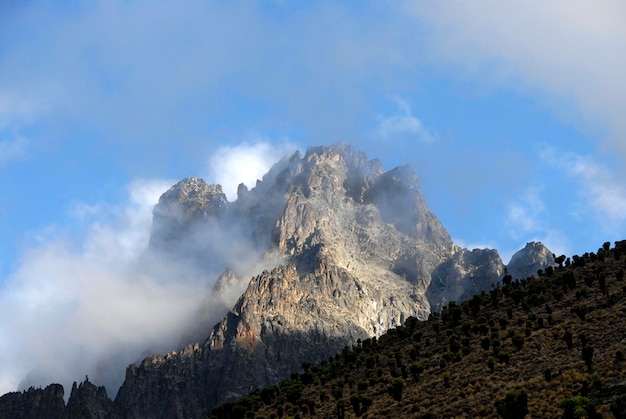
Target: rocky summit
<point>529,260</point>
<point>328,248</point>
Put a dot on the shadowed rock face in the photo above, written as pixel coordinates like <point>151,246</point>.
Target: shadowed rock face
<point>529,260</point>
<point>469,272</point>
<point>464,274</point>
<point>86,401</point>
<point>34,403</point>
<point>337,249</point>
<point>90,402</point>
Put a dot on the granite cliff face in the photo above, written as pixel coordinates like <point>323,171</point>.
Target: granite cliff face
<point>464,274</point>
<point>469,272</point>
<point>529,260</point>
<point>338,249</point>
<point>34,403</point>
<point>86,401</point>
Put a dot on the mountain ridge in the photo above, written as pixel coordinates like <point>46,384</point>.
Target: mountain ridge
<point>550,345</point>
<point>338,250</point>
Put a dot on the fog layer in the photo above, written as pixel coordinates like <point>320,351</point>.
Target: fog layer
<point>89,302</point>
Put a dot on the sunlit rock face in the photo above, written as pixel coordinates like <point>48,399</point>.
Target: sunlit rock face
<point>326,249</point>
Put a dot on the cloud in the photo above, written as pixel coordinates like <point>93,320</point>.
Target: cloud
<point>568,51</point>
<point>528,219</point>
<point>19,106</point>
<point>170,65</point>
<point>197,70</point>
<point>83,306</point>
<point>402,124</point>
<point>526,214</point>
<point>245,163</point>
<point>12,150</point>
<point>602,191</point>
<point>606,194</point>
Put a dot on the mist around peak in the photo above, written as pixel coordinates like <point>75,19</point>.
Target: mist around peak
<point>90,300</point>
<point>77,307</point>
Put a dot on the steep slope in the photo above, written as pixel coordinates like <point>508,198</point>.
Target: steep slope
<point>548,346</point>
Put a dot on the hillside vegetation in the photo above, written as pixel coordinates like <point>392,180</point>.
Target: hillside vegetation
<point>551,345</point>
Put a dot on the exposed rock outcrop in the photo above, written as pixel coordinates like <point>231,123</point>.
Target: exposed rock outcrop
<point>466,273</point>
<point>88,401</point>
<point>34,403</point>
<point>526,262</point>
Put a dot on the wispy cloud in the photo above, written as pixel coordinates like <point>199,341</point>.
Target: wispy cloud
<point>165,60</point>
<point>12,150</point>
<point>602,192</point>
<point>525,215</point>
<point>472,245</point>
<point>171,67</point>
<point>565,50</point>
<point>527,219</point>
<point>403,124</point>
<point>93,301</point>
<point>21,105</point>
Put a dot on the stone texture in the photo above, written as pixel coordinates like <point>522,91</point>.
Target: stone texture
<point>529,260</point>
<point>34,404</point>
<point>464,274</point>
<point>88,401</point>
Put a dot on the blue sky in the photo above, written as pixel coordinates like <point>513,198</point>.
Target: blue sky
<point>511,114</point>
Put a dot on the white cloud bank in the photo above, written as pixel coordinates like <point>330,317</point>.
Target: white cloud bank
<point>86,305</point>
<point>527,219</point>
<point>75,309</point>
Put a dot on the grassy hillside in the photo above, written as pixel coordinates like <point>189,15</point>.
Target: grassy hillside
<point>550,346</point>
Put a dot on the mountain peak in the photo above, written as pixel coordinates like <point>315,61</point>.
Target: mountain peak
<point>344,151</point>
<point>184,204</point>
<point>527,261</point>
<point>193,194</point>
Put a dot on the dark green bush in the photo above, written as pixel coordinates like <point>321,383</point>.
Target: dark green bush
<point>518,341</point>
